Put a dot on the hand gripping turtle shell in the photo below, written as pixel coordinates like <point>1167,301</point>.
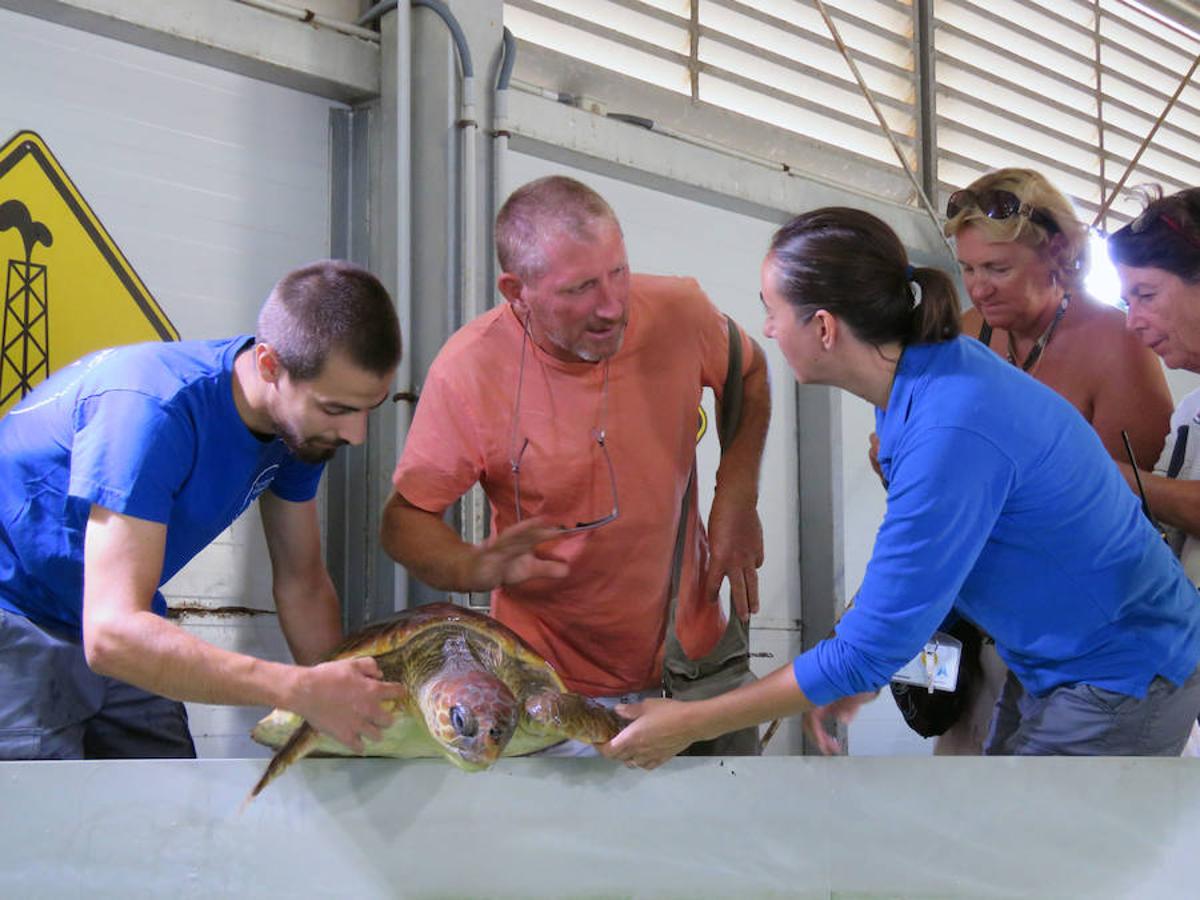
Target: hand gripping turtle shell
<point>476,692</point>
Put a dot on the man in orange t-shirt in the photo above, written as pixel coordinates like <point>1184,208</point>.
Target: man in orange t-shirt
<point>574,405</point>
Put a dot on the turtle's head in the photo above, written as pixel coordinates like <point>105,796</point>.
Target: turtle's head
<point>471,715</point>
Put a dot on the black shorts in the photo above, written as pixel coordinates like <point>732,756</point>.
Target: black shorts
<point>52,706</point>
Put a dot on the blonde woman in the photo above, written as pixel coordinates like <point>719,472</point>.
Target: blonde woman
<point>1023,253</point>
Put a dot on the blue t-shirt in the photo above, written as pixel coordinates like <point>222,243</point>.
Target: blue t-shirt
<point>148,430</point>
<point>1004,506</point>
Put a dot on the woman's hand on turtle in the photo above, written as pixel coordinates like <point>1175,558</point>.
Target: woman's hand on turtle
<point>660,730</point>
<point>348,700</point>
<point>509,557</point>
<point>842,710</point>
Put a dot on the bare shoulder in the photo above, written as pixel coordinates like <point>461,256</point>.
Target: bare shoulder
<point>971,324</point>
<point>971,321</point>
<point>1101,326</point>
<point>1087,310</point>
<point>1101,359</point>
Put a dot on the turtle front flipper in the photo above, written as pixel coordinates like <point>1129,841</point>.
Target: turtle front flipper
<point>571,716</point>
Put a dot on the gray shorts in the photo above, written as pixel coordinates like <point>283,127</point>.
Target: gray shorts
<point>1084,720</point>
<point>52,706</point>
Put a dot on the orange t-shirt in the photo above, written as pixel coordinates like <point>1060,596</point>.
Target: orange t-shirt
<point>602,626</point>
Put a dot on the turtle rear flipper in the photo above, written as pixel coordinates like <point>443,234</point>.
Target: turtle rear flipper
<point>303,740</point>
<point>571,716</point>
<point>275,729</point>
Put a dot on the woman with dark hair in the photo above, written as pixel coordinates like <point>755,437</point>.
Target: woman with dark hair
<point>993,479</point>
<point>1157,256</point>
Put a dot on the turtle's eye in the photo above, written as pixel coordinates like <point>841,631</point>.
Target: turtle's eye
<point>463,721</point>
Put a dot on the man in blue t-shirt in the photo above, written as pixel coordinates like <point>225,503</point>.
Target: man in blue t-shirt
<point>122,466</point>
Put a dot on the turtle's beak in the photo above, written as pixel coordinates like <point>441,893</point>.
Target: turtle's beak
<point>469,760</point>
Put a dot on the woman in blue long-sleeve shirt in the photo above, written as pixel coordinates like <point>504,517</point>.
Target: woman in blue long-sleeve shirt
<point>1002,505</point>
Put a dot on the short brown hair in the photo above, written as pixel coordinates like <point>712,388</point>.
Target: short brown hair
<point>533,211</point>
<point>325,306</point>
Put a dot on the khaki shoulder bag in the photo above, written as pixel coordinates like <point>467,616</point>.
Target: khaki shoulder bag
<point>727,665</point>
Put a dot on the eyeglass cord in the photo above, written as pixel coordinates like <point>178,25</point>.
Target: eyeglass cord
<point>1039,345</point>
<point>599,433</point>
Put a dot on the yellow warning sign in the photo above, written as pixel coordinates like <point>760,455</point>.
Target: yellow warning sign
<point>68,289</point>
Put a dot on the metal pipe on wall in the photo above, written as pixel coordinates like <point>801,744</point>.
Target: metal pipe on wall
<point>404,249</point>
<point>471,307</point>
<point>469,128</point>
<point>312,18</point>
<point>463,197</point>
<point>500,130</point>
<point>468,183</point>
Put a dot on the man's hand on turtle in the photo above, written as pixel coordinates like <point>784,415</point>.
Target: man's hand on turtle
<point>509,557</point>
<point>735,552</point>
<point>348,700</point>
<point>660,730</point>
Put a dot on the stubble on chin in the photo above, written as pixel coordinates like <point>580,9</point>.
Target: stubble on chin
<point>317,454</point>
<point>311,452</point>
<point>588,354</point>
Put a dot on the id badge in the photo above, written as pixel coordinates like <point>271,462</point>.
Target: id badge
<point>936,666</point>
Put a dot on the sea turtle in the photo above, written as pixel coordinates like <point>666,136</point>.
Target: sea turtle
<point>476,692</point>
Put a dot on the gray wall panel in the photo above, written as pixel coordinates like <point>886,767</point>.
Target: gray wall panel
<point>212,184</point>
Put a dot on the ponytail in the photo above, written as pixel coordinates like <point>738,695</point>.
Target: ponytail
<point>935,306</point>
<point>852,264</point>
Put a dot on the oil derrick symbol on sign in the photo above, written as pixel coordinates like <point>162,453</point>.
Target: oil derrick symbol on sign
<point>25,345</point>
<point>68,288</point>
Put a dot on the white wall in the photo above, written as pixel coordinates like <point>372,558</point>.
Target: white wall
<point>213,185</point>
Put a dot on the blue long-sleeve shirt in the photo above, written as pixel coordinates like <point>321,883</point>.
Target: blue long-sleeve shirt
<point>1004,506</point>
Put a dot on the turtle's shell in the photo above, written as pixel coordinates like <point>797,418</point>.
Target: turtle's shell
<point>406,628</point>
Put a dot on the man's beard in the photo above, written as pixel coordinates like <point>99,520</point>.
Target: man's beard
<point>310,451</point>
<point>584,352</point>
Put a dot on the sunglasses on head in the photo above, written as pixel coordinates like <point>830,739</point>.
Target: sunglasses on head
<point>997,204</point>
<point>1157,214</point>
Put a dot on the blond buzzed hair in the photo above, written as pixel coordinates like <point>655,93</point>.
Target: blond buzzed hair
<point>1069,261</point>
<point>551,205</point>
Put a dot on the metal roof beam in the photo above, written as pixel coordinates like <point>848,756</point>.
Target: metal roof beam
<point>229,35</point>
